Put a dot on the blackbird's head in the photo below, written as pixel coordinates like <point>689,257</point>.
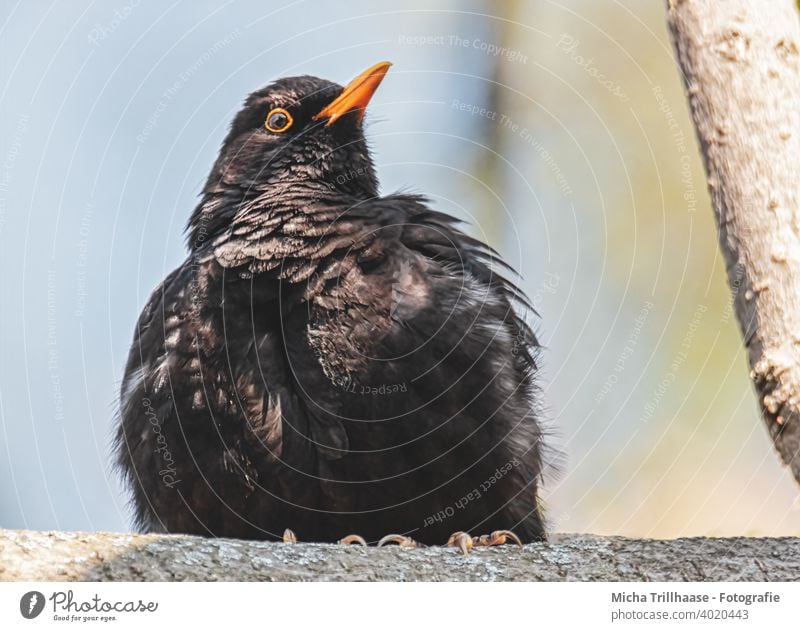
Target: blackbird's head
<point>297,133</point>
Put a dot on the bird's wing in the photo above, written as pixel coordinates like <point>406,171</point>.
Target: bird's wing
<point>456,259</point>
<point>146,404</point>
<point>160,319</point>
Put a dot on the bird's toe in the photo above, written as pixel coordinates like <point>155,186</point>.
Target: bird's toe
<point>497,538</point>
<point>289,536</point>
<point>461,540</point>
<point>400,540</point>
<point>465,542</point>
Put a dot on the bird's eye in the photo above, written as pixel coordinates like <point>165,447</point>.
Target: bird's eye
<point>278,120</point>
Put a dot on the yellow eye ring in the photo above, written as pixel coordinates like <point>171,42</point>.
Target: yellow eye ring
<point>278,120</point>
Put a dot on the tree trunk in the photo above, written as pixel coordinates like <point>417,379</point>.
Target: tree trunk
<point>79,556</point>
<point>740,61</point>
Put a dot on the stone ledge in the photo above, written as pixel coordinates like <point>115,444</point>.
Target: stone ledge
<point>79,556</point>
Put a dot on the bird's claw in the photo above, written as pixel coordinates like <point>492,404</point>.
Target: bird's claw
<point>465,542</point>
<point>289,536</point>
<point>400,540</point>
<point>349,539</point>
<point>461,540</point>
<point>497,538</point>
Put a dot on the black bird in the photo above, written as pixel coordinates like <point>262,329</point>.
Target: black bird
<point>328,359</point>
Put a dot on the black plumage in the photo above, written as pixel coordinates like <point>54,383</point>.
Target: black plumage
<point>328,359</point>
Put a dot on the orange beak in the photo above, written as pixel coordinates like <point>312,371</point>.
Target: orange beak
<point>356,95</point>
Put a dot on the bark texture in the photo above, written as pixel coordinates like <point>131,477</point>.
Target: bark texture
<point>60,556</point>
<point>741,65</point>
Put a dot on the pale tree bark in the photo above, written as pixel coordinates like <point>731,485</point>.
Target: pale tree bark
<point>741,66</point>
<point>82,556</point>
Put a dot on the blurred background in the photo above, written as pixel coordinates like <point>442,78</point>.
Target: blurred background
<point>559,130</point>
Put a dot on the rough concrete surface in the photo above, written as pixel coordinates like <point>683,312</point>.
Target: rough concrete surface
<point>79,556</point>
